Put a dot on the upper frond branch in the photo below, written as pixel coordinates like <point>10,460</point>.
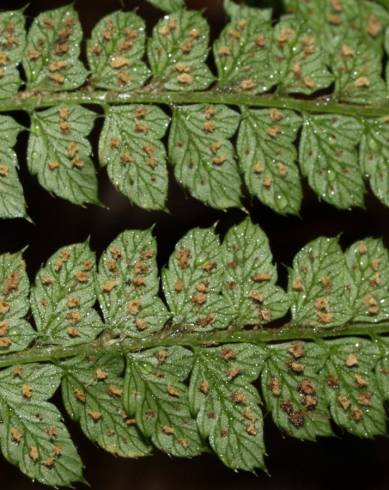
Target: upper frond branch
<point>320,58</point>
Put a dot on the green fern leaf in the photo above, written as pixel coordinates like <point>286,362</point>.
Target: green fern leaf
<point>168,5</point>
<point>268,157</point>
<point>329,158</point>
<point>294,391</point>
<point>92,395</point>
<point>63,297</point>
<point>192,282</point>
<point>227,404</point>
<point>12,45</point>
<point>177,52</point>
<point>354,399</point>
<point>368,265</point>
<point>235,11</point>
<point>16,333</point>
<point>134,154</point>
<point>242,55</point>
<point>374,156</point>
<point>203,156</point>
<point>32,434</point>
<point>357,67</point>
<point>12,203</point>
<point>382,370</point>
<point>300,66</point>
<point>155,394</point>
<point>128,285</point>
<point>250,277</point>
<point>50,59</point>
<point>59,153</point>
<point>318,285</point>
<point>115,52</point>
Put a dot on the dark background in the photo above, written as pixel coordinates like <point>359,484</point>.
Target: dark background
<point>339,463</point>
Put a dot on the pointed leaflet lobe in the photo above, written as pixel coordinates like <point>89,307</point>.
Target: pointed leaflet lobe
<point>227,404</point>
<point>115,52</point>
<point>301,67</point>
<point>368,265</point>
<point>15,332</point>
<point>193,283</point>
<point>92,394</point>
<point>63,297</point>
<point>177,52</point>
<point>374,156</point>
<point>130,146</point>
<point>267,156</point>
<point>242,55</point>
<point>355,401</point>
<point>168,5</point>
<point>202,155</point>
<point>128,284</point>
<point>155,394</point>
<point>318,285</point>
<point>250,277</point>
<point>53,47</point>
<point>329,158</point>
<point>12,43</point>
<point>236,11</point>
<point>32,434</point>
<point>12,203</point>
<point>294,391</point>
<point>59,153</point>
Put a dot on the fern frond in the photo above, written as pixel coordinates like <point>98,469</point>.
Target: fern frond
<point>193,370</point>
<point>315,73</point>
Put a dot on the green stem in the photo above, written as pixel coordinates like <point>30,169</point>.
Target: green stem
<point>191,339</point>
<point>29,101</point>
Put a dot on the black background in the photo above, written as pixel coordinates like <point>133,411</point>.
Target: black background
<point>339,463</point>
